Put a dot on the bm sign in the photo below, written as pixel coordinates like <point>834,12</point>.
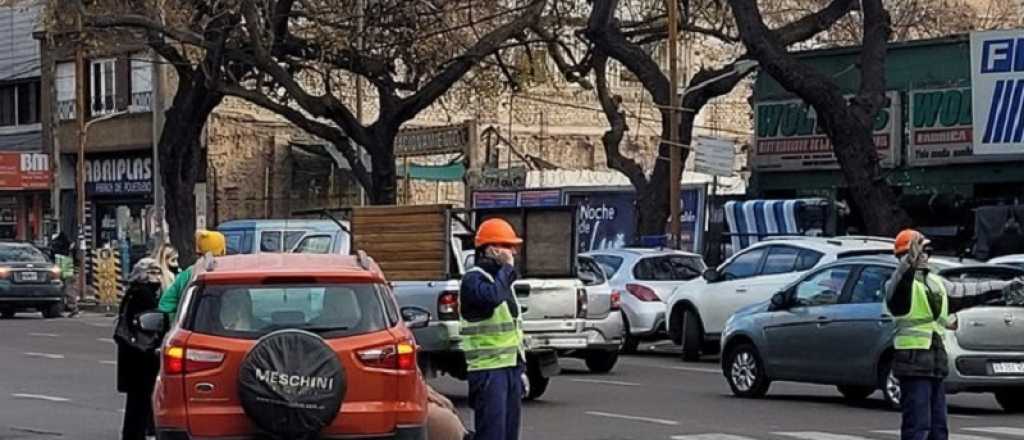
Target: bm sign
<point>997,78</point>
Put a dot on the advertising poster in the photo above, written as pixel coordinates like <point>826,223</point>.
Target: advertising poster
<point>606,219</point>
<point>997,79</point>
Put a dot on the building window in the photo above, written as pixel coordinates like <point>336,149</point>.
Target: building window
<point>142,81</point>
<point>66,91</point>
<point>103,86</point>
<point>19,104</point>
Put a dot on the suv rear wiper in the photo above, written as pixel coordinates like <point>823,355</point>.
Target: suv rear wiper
<point>323,328</point>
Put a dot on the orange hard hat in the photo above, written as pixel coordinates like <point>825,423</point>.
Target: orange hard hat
<point>904,239</point>
<point>496,231</point>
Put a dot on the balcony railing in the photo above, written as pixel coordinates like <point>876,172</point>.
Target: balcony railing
<point>66,110</point>
<point>142,101</point>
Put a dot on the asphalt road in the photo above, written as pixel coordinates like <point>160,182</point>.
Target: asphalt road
<point>57,381</point>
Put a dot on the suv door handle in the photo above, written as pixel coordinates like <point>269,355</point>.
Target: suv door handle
<point>741,290</point>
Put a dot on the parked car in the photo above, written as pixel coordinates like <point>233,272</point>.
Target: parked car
<point>296,236</point>
<point>291,345</point>
<point>28,281</point>
<point>1009,260</point>
<point>644,280</point>
<point>698,309</point>
<point>831,327</point>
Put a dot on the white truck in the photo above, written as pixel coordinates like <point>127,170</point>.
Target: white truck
<point>422,250</point>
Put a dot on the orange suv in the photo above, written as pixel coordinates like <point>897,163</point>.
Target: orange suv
<point>290,346</point>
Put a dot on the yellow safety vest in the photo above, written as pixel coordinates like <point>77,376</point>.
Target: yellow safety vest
<point>914,330</point>
<point>496,342</point>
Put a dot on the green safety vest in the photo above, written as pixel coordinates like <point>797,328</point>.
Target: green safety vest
<point>66,265</point>
<point>914,330</point>
<point>496,342</point>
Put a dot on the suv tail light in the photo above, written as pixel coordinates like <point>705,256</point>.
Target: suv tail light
<point>448,306</point>
<point>642,293</point>
<point>581,303</point>
<point>179,359</point>
<point>401,356</point>
<point>616,300</point>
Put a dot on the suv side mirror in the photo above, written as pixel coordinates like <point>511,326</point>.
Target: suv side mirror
<point>712,275</point>
<point>415,317</point>
<point>155,322</point>
<point>780,301</point>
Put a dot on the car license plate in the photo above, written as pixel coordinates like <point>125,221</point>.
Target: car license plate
<point>567,343</point>
<point>1008,367</point>
<point>29,276</point>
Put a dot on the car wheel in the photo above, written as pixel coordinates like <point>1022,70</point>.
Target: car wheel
<point>54,310</point>
<point>630,343</point>
<point>855,393</point>
<point>691,337</point>
<point>601,361</point>
<point>7,313</point>
<point>1012,401</point>
<point>534,385</point>
<point>745,372</point>
<point>890,386</point>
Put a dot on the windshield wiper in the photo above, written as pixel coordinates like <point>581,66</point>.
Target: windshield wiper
<point>323,328</point>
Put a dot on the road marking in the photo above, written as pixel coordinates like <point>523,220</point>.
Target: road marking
<point>633,418</point>
<point>675,367</point>
<point>606,382</point>
<point>108,362</point>
<point>1019,432</point>
<point>951,436</point>
<point>44,355</point>
<point>961,416</point>
<point>45,335</point>
<point>107,340</point>
<point>40,397</point>
<point>37,431</point>
<point>815,435</point>
<point>713,436</point>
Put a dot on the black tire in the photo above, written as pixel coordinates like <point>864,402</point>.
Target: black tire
<point>55,310</point>
<point>601,361</point>
<point>855,393</point>
<point>889,385</point>
<point>692,336</point>
<point>534,385</point>
<point>1012,401</point>
<point>745,372</point>
<point>291,384</point>
<point>630,343</point>
<point>7,313</point>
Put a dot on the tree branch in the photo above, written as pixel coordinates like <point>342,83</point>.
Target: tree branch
<point>612,139</point>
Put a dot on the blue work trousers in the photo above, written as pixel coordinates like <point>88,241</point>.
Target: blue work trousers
<point>923,401</point>
<point>495,396</point>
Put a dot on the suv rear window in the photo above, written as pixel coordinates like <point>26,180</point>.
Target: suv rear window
<point>249,312</point>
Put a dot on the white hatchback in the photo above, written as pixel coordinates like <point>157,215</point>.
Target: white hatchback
<point>698,310</point>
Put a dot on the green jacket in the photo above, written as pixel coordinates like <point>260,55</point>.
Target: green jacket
<point>171,297</point>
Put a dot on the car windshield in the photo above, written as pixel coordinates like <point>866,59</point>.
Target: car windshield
<point>21,254</point>
<point>249,312</point>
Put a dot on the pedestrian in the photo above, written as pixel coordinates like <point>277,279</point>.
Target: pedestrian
<point>137,359</point>
<point>1009,242</point>
<point>492,333</point>
<point>209,244</point>
<point>60,250</point>
<point>922,304</point>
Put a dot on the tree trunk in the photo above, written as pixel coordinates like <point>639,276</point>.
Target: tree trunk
<point>179,151</point>
<point>382,168</point>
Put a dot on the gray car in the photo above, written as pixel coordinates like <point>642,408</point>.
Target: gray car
<point>831,328</point>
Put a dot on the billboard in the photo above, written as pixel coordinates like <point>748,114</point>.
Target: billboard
<point>24,171</point>
<point>942,129</point>
<point>997,78</point>
<point>789,138</point>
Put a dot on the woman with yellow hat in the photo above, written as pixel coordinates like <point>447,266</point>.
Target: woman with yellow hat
<point>209,244</point>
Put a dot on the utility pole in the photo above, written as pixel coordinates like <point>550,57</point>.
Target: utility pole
<point>673,132</point>
<point>80,181</point>
<point>157,108</point>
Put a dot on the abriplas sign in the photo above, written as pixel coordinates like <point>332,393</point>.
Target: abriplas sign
<point>130,173</point>
<point>790,138</point>
<point>997,77</point>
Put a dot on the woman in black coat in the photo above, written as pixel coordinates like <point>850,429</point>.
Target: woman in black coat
<point>138,362</point>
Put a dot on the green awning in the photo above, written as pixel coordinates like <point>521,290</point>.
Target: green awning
<point>434,173</point>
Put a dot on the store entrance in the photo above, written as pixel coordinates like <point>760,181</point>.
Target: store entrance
<point>124,225</point>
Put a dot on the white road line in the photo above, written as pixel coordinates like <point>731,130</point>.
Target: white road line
<point>1018,432</point>
<point>45,335</point>
<point>675,367</point>
<point>633,418</point>
<point>107,340</point>
<point>713,436</point>
<point>951,436</point>
<point>44,355</point>
<point>40,397</point>
<point>108,362</point>
<point>606,382</point>
<point>961,416</point>
<point>815,435</point>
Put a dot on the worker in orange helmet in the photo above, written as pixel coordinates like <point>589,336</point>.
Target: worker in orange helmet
<point>923,305</point>
<point>491,330</point>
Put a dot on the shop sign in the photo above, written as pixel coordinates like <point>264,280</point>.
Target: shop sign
<point>789,138</point>
<point>128,174</point>
<point>494,199</point>
<point>24,171</point>
<point>546,197</point>
<point>449,139</point>
<point>997,78</point>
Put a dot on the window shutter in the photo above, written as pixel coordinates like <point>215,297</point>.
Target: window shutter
<point>122,81</point>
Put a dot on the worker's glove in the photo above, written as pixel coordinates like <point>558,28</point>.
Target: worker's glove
<point>1013,292</point>
<point>914,255</point>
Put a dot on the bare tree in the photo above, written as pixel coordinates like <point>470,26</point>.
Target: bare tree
<point>847,123</point>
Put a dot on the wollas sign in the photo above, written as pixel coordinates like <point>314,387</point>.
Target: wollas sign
<point>789,138</point>
<point>997,76</point>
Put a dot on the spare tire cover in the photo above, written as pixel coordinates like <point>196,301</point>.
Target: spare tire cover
<point>291,384</point>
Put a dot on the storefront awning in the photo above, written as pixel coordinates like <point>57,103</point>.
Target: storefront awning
<point>30,141</point>
<point>435,173</point>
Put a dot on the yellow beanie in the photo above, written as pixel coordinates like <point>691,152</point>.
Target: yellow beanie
<point>210,241</point>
